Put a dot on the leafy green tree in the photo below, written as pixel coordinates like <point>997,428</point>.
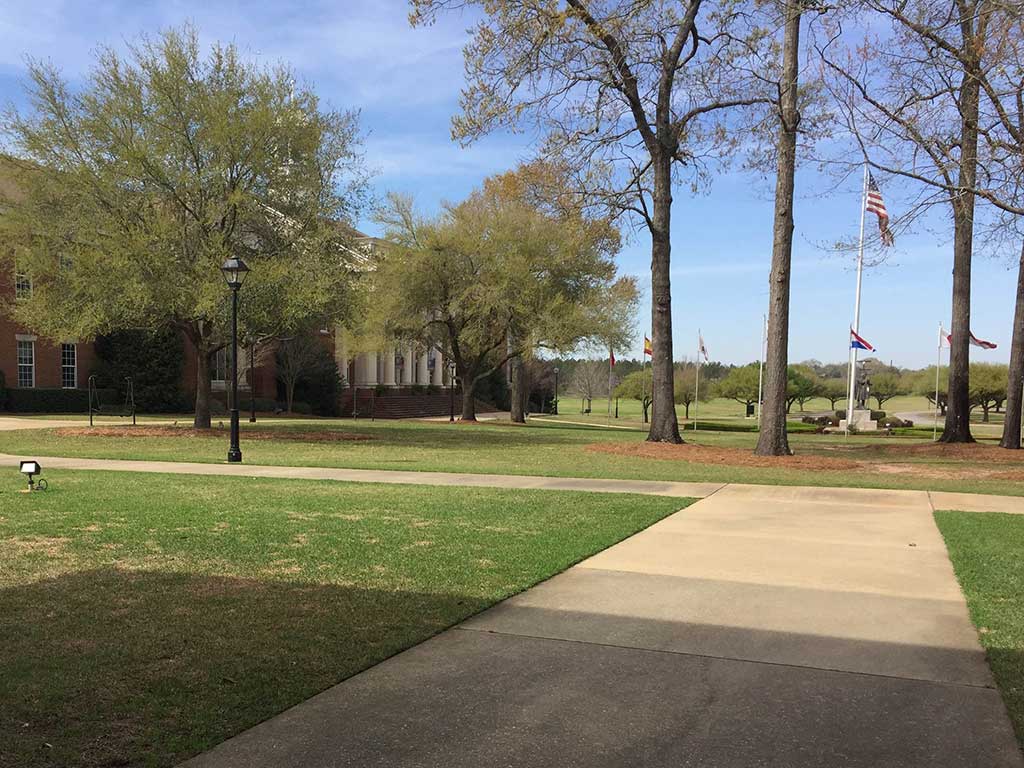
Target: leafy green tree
<point>166,162</point>
<point>740,384</point>
<point>988,386</point>
<point>885,386</point>
<point>686,387</point>
<point>637,386</point>
<point>802,385</point>
<point>923,383</point>
<point>493,278</point>
<point>833,390</point>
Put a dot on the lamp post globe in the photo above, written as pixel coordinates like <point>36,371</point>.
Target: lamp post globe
<point>234,271</point>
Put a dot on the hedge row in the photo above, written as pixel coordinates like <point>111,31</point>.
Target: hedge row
<point>55,400</point>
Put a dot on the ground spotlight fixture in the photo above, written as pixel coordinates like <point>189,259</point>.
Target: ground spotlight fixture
<point>32,468</point>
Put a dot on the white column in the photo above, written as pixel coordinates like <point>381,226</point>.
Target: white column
<point>389,368</point>
<point>409,362</point>
<point>422,372</point>
<point>371,368</point>
<point>438,377</point>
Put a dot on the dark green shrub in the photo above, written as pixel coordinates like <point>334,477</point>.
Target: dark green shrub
<point>155,362</point>
<point>380,390</point>
<point>57,400</point>
<point>3,392</point>
<point>303,408</point>
<point>265,404</point>
<point>494,389</point>
<point>875,415</point>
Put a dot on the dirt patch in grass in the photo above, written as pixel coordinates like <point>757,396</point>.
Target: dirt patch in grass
<point>733,457</point>
<point>318,436</point>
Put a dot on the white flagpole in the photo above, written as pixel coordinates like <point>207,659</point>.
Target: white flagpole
<point>856,304</point>
<point>760,367</point>
<point>611,354</point>
<point>938,364</point>
<point>696,385</point>
<point>643,379</point>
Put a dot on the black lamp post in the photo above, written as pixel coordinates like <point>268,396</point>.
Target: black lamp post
<point>556,391</point>
<point>451,391</point>
<point>252,382</point>
<point>234,272</point>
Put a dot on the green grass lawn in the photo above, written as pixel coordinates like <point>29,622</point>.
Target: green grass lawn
<point>539,448</point>
<point>986,553</point>
<point>146,618</point>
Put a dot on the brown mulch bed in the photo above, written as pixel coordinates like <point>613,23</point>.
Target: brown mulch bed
<point>734,457</point>
<point>321,436</point>
<point>983,452</point>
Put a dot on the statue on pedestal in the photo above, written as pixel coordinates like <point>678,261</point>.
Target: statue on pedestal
<point>862,390</point>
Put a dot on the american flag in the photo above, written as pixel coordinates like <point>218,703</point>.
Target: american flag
<point>876,205</point>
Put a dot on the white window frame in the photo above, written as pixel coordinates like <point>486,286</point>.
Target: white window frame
<point>215,368</point>
<point>73,346</point>
<point>22,292</point>
<point>31,341</point>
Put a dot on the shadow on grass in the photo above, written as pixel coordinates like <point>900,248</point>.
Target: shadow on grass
<point>110,667</point>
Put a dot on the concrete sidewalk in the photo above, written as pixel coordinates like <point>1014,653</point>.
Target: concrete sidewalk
<point>763,626</point>
<point>649,487</point>
<point>967,502</point>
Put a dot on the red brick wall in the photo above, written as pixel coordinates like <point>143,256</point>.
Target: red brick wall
<point>47,354</point>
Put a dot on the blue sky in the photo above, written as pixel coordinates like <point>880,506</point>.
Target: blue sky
<point>363,54</point>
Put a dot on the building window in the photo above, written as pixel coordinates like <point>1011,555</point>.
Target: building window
<point>219,367</point>
<point>68,366</point>
<point>26,364</point>
<point>22,286</point>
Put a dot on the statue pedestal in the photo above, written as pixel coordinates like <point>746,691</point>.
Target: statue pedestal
<point>862,421</point>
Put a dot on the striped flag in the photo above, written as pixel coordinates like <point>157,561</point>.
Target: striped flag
<point>648,349</point>
<point>859,342</point>
<point>975,342</point>
<point>876,205</point>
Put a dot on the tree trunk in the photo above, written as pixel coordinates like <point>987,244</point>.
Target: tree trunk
<point>202,415</point>
<point>517,376</point>
<point>664,425</point>
<point>468,400</point>
<point>687,414</point>
<point>772,440</point>
<point>289,394</point>
<point>958,416</point>
<point>984,414</point>
<point>1015,381</point>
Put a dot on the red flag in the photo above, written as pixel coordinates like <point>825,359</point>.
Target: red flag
<point>611,358</point>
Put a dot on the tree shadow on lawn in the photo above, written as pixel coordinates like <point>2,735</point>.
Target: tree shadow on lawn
<point>113,667</point>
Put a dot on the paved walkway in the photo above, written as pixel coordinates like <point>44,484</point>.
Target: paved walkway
<point>762,626</point>
<point>968,502</point>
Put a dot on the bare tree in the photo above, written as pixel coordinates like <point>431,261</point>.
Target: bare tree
<point>628,94</point>
<point>590,379</point>
<point>912,102</point>
<point>772,439</point>
<point>295,357</point>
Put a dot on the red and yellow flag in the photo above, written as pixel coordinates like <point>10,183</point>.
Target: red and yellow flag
<point>648,349</point>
